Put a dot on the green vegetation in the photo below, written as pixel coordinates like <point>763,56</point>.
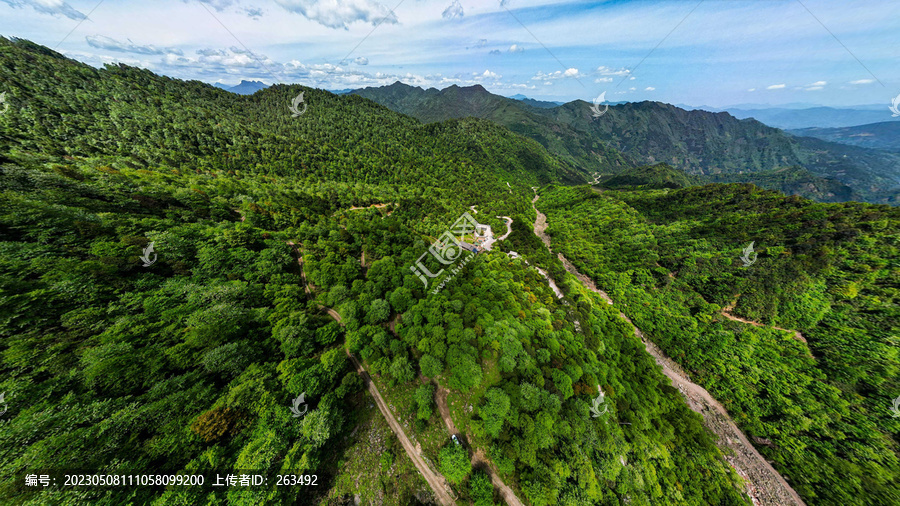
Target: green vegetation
<point>795,181</point>
<point>455,465</point>
<point>650,177</point>
<point>192,364</point>
<point>827,270</point>
<point>480,489</point>
<point>697,142</point>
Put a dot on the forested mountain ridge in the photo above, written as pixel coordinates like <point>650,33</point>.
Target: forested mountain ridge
<point>190,364</point>
<point>433,105</point>
<point>884,135</point>
<point>787,180</point>
<point>697,142</point>
<point>247,133</point>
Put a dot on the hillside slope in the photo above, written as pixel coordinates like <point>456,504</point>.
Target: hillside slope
<point>155,316</point>
<point>696,142</point>
<point>433,105</point>
<point>819,408</point>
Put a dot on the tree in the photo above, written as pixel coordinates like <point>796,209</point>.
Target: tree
<point>494,411</point>
<point>425,400</point>
<point>466,375</point>
<point>401,299</point>
<point>430,366</point>
<point>563,383</point>
<point>480,489</point>
<point>454,463</point>
<point>401,370</point>
<point>378,312</point>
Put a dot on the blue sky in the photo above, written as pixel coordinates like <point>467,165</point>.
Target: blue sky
<point>714,52</point>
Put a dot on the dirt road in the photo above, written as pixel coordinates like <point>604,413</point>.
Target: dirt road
<point>479,459</point>
<point>437,482</point>
<point>765,485</point>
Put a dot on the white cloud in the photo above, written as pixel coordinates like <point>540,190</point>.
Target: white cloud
<point>490,75</point>
<point>863,81</point>
<point>775,87</point>
<point>752,89</point>
<point>606,71</point>
<point>603,80</point>
<point>649,88</point>
<point>559,74</point>
<point>102,42</point>
<point>52,7</point>
<point>454,11</point>
<point>361,61</point>
<point>340,13</point>
<point>494,51</point>
<point>515,48</point>
<point>481,43</point>
<point>818,85</point>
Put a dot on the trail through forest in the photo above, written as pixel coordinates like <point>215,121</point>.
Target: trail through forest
<point>437,482</point>
<point>479,459</point>
<point>726,312</point>
<point>765,485</point>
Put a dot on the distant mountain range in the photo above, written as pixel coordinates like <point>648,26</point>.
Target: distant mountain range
<point>536,103</point>
<point>822,117</point>
<point>251,87</point>
<point>699,143</point>
<point>884,135</point>
<point>244,88</point>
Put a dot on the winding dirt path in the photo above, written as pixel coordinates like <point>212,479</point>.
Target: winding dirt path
<point>377,206</point>
<point>765,485</point>
<point>726,312</point>
<point>509,222</point>
<point>479,459</point>
<point>436,481</point>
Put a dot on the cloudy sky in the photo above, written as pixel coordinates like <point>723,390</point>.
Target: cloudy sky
<point>711,52</point>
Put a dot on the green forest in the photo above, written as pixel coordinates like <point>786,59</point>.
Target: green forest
<point>829,271</point>
<point>261,223</point>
